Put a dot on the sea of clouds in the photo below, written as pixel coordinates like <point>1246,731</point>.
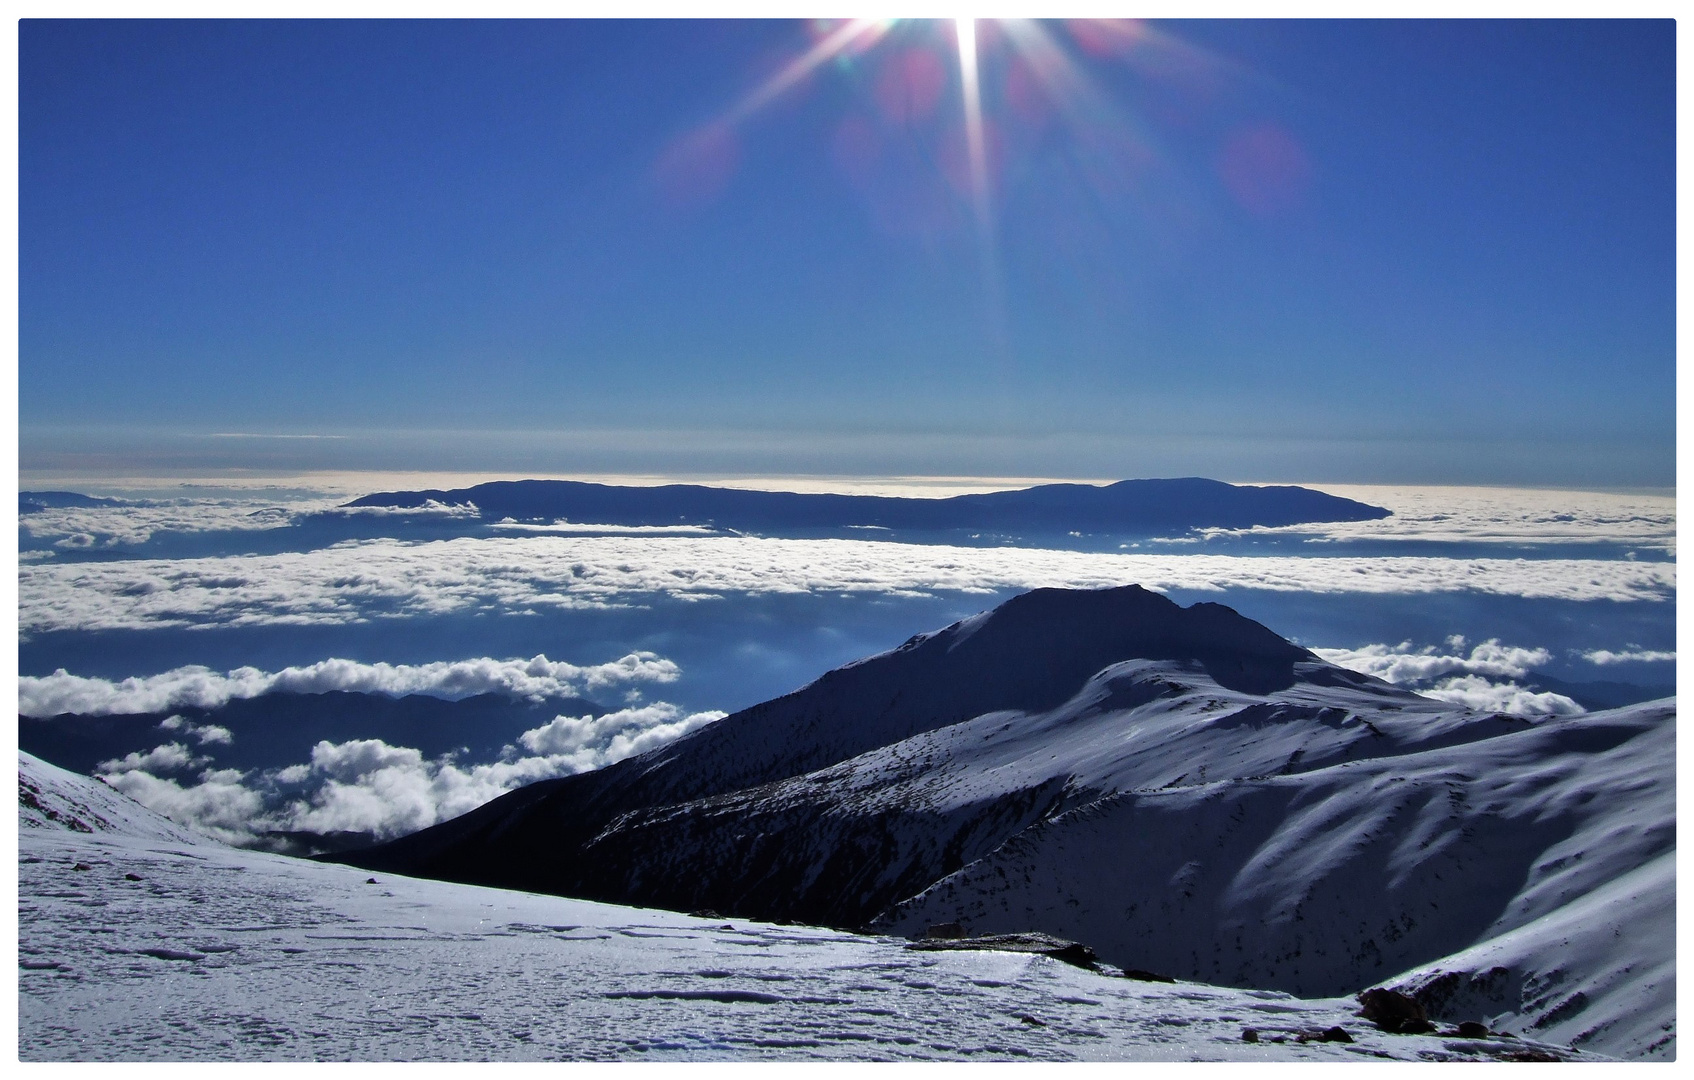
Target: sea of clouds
<point>129,522</point>
<point>358,581</point>
<point>1472,515</point>
<point>536,679</point>
<point>369,786</point>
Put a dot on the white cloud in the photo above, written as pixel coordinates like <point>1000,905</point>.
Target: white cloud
<point>535,679</point>
<point>589,742</point>
<point>136,522</point>
<point>367,785</point>
<point>430,508</point>
<point>205,733</point>
<point>1480,679</point>
<point>567,528</point>
<point>1632,655</point>
<point>360,581</point>
<point>219,804</point>
<point>171,757</point>
<point>1478,693</point>
<point>1405,665</point>
<point>1496,515</point>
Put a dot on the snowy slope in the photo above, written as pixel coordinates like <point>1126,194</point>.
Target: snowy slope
<point>139,942</point>
<point>1181,789</point>
<point>52,799</point>
<point>1334,879</point>
<point>1598,972</point>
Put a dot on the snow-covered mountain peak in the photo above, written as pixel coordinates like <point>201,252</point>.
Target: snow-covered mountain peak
<point>1047,641</point>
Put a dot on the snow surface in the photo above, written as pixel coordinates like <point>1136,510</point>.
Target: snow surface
<point>140,941</point>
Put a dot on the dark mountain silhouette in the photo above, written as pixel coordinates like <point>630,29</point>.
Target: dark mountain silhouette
<point>1030,655</point>
<point>1133,507</point>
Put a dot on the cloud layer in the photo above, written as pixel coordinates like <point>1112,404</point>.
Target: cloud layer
<point>1498,515</point>
<point>369,786</point>
<point>1480,679</point>
<point>82,527</point>
<point>1404,664</point>
<point>535,679</point>
<point>363,580</point>
<point>1630,655</point>
<point>135,522</point>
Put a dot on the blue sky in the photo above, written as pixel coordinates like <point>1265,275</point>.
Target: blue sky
<point>1384,251</point>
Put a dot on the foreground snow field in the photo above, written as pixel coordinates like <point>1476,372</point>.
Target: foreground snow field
<point>140,941</point>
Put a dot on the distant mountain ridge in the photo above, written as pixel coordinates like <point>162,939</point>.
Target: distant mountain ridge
<point>1179,788</point>
<point>1130,506</point>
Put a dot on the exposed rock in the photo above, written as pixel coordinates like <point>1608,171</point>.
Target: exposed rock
<point>949,930</point>
<point>1071,952</point>
<point>1394,1012</point>
<point>1146,976</point>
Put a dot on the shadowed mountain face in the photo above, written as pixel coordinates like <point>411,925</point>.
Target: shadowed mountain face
<point>1131,507</point>
<point>1030,655</point>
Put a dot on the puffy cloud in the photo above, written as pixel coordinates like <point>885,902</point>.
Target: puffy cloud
<point>350,760</point>
<point>1480,679</point>
<point>367,785</point>
<point>362,580</point>
<point>1479,693</point>
<point>220,804</point>
<point>535,679</point>
<point>1496,515</point>
<point>589,742</point>
<point>1403,664</point>
<point>1633,655</point>
<point>206,733</point>
<point>171,757</point>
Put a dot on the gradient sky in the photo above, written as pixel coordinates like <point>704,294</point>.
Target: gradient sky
<point>1373,251</point>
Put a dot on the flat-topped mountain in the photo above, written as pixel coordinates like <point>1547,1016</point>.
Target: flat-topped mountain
<point>1145,507</point>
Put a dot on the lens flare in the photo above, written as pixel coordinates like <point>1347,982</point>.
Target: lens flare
<point>1028,107</point>
<point>974,142</point>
